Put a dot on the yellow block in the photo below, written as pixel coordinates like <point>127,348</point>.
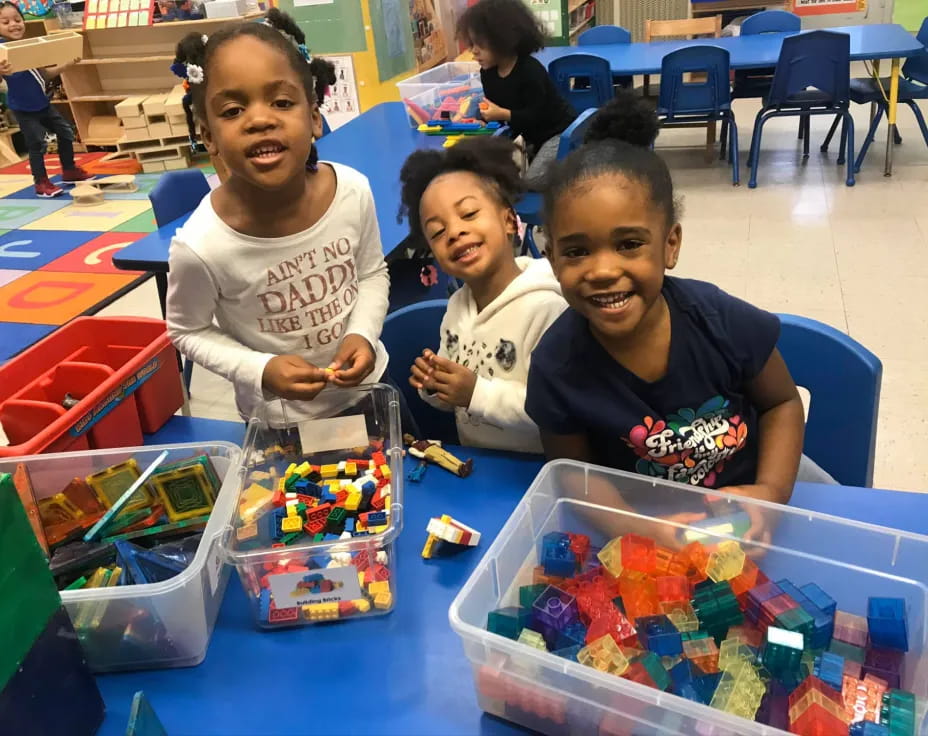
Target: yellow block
<point>362,604</point>
<point>351,469</point>
<point>329,471</point>
<point>291,524</point>
<point>377,587</point>
<point>383,600</point>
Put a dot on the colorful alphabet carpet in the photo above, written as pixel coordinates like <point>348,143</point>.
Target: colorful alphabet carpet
<point>56,258</point>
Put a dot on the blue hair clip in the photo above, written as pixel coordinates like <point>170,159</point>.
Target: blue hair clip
<point>179,69</point>
<point>304,52</point>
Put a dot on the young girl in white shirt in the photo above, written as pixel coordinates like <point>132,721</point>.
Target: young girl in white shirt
<point>277,281</point>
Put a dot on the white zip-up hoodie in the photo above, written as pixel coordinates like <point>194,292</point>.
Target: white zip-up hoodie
<point>497,344</point>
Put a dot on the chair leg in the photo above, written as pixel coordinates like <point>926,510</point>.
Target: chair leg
<point>831,133</point>
<point>897,139</point>
<point>806,121</point>
<point>919,118</point>
<point>755,148</point>
<point>733,153</point>
<point>528,243</point>
<point>849,122</point>
<point>723,139</point>
<point>842,148</point>
<point>188,374</point>
<point>802,128</point>
<point>869,139</point>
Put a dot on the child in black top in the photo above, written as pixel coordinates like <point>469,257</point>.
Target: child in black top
<point>503,35</point>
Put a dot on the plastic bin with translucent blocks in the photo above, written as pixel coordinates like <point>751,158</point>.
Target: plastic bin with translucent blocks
<point>319,508</point>
<point>449,91</point>
<point>154,625</point>
<point>555,694</point>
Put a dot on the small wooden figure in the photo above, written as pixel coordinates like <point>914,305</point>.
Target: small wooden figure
<point>435,453</point>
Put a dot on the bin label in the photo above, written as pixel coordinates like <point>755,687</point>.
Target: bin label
<point>330,585</point>
<point>112,400</point>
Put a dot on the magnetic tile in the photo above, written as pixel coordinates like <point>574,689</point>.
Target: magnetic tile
<point>100,217</point>
<point>94,256</point>
<point>32,249</point>
<point>16,213</point>
<point>48,297</point>
<point>16,337</point>
<point>7,275</point>
<point>144,223</point>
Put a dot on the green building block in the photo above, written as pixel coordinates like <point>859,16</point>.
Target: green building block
<point>528,594</point>
<point>782,651</point>
<point>27,589</point>
<point>652,663</point>
<point>848,651</point>
<point>509,622</point>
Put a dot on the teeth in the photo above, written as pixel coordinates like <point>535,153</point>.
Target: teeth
<point>618,299</point>
<point>467,252</point>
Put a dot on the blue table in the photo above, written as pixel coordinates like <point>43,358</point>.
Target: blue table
<point>404,673</point>
<point>868,42</point>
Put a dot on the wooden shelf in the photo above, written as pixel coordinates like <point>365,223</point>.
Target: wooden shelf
<point>574,4</point>
<point>99,141</point>
<point>98,98</point>
<point>126,60</point>
<point>60,102</point>
<point>576,29</point>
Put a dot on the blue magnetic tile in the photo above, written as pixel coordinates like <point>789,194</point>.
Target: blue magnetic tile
<point>16,337</point>
<point>15,213</point>
<point>32,249</point>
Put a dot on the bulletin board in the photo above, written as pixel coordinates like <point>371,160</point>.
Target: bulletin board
<point>825,7</point>
<point>330,27</point>
<point>117,13</point>
<point>392,37</point>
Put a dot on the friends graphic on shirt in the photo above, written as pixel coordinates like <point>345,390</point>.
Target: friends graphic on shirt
<point>689,446</point>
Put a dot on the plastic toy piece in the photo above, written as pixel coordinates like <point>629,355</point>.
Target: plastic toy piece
<point>726,562</point>
<point>434,453</point>
<point>604,655</point>
<point>124,500</point>
<point>143,721</point>
<point>886,623</point>
<point>611,556</point>
<point>453,531</point>
<point>23,484</point>
<point>186,492</point>
<point>731,525</point>
<point>110,484</point>
<point>638,553</point>
<point>532,639</point>
<point>850,629</point>
<point>782,651</point>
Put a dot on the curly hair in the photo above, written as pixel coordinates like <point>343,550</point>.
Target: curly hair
<point>626,117</point>
<point>506,27</point>
<point>490,159</point>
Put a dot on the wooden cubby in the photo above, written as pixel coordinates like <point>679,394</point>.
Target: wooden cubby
<point>121,62</point>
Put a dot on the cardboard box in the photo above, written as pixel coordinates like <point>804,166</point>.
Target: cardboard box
<point>131,107</point>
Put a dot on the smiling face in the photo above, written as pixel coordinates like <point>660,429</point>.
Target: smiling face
<point>610,247</point>
<point>12,25</point>
<point>259,120</point>
<point>467,227</point>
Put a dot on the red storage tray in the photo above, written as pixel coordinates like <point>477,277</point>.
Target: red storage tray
<point>123,370</point>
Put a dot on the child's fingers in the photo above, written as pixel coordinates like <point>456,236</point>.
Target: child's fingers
<point>443,364</point>
<point>305,391</point>
<point>423,365</point>
<point>417,376</point>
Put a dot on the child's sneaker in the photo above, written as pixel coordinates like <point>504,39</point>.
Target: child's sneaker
<point>46,190</point>
<point>75,174</point>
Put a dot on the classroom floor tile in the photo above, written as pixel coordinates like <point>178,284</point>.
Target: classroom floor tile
<point>106,216</point>
<point>52,164</point>
<point>35,248</point>
<point>11,184</point>
<point>8,274</point>
<point>16,337</point>
<point>94,256</point>
<point>48,297</point>
<point>143,223</point>
<point>16,213</point>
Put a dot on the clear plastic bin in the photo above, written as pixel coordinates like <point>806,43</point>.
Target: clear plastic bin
<point>166,624</point>
<point>542,691</point>
<point>317,580</point>
<point>423,94</point>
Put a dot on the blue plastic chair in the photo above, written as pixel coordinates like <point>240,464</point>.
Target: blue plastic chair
<point>529,207</point>
<point>913,86</point>
<point>176,194</point>
<point>406,333</point>
<point>683,103</point>
<point>604,35</point>
<point>843,378</point>
<point>585,80</point>
<point>812,77</point>
<point>756,82</point>
<point>325,127</point>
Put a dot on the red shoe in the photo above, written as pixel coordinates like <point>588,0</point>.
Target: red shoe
<point>46,190</point>
<point>75,174</point>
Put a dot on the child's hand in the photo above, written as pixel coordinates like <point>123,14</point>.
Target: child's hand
<point>453,383</point>
<point>353,361</point>
<point>669,536</point>
<point>762,519</point>
<point>421,371</point>
<point>291,377</point>
<point>5,68</point>
<point>492,112</point>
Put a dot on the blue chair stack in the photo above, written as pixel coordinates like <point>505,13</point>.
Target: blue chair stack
<point>605,35</point>
<point>585,80</point>
<point>812,77</point>
<point>683,103</point>
<point>913,86</point>
<point>843,378</point>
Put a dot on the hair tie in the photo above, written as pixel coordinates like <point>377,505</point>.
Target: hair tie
<point>194,74</point>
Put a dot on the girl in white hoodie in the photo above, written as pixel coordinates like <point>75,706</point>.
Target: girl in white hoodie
<point>460,202</point>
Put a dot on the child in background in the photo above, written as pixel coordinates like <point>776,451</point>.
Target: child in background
<point>667,377</point>
<point>460,202</point>
<point>27,99</point>
<point>626,117</point>
<point>503,35</point>
<point>285,255</point>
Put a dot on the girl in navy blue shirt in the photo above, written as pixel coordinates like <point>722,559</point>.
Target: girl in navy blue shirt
<point>27,99</point>
<point>667,377</point>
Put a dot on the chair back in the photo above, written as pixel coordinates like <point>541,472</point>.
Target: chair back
<point>325,127</point>
<point>916,67</point>
<point>818,59</point>
<point>843,378</point>
<point>572,137</point>
<point>406,332</point>
<point>604,34</point>
<point>709,26</point>
<point>770,21</point>
<point>593,73</point>
<point>707,96</point>
<point>176,194</point>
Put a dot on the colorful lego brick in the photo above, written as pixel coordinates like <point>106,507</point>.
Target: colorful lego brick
<point>681,615</point>
<point>886,664</point>
<point>604,655</point>
<point>734,652</point>
<point>829,668</point>
<point>850,629</point>
<point>532,639</point>
<point>726,562</point>
<point>695,557</point>
<point>848,651</point>
<point>329,471</point>
<point>898,712</point>
<point>383,600</point>
<point>291,523</point>
<point>659,635</point>
<point>868,728</point>
<point>528,594</point>
<point>572,634</point>
<point>673,588</point>
<point>362,604</point>
<point>615,625</point>
<point>320,611</point>
<point>886,623</point>
<point>554,609</point>
<point>640,598</point>
<point>703,653</point>
<point>782,651</point>
<point>638,553</point>
<point>508,622</point>
<point>556,557</point>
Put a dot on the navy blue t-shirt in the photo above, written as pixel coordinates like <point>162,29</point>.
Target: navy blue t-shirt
<point>695,425</point>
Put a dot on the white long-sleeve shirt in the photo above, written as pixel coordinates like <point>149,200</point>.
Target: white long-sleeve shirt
<point>236,301</point>
<point>496,343</point>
